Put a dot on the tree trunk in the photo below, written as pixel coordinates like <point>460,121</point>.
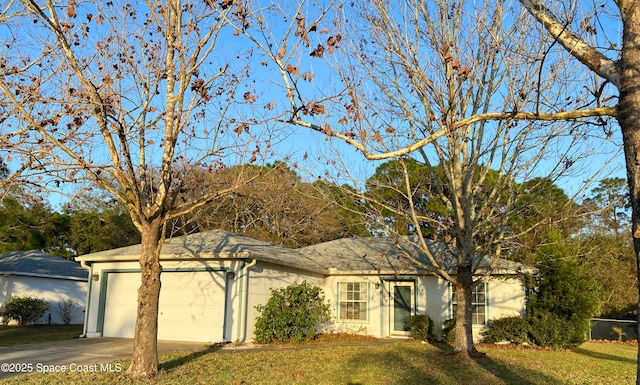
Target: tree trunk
<point>144,361</point>
<point>464,313</point>
<point>629,120</point>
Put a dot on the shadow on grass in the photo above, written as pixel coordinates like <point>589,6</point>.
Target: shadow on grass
<point>604,356</point>
<point>392,365</point>
<point>413,363</point>
<point>28,334</point>
<point>513,374</point>
<point>176,362</point>
<point>509,374</point>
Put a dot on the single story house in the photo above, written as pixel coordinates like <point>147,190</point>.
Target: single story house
<point>212,282</point>
<point>59,281</point>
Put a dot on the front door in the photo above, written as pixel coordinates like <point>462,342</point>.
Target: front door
<point>402,305</point>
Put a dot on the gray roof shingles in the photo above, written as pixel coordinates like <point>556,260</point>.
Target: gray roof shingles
<point>372,255</point>
<point>40,264</point>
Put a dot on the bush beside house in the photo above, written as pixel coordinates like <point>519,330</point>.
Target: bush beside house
<point>420,326</point>
<point>562,300</point>
<point>25,309</point>
<point>514,329</point>
<point>294,313</point>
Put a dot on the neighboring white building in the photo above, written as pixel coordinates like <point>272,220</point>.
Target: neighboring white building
<point>41,275</point>
<point>212,282</point>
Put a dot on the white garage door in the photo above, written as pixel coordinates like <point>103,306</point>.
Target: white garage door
<point>191,306</point>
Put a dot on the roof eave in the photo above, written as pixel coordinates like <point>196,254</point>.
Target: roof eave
<point>164,257</point>
<point>37,275</point>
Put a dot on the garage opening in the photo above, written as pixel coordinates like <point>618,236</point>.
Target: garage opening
<point>192,305</point>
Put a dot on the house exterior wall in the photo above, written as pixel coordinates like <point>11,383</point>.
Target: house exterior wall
<point>260,279</point>
<point>249,282</point>
<point>432,296</point>
<point>507,297</point>
<point>438,302</point>
<point>248,285</point>
<point>53,290</point>
<point>6,287</point>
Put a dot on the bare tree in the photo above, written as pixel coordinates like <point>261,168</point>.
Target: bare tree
<point>9,176</point>
<point>593,39</point>
<point>129,97</point>
<point>455,86</point>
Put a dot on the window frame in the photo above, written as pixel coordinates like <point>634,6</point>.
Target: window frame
<point>475,303</point>
<point>362,301</point>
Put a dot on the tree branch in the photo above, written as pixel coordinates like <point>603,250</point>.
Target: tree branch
<point>555,116</point>
<point>585,53</point>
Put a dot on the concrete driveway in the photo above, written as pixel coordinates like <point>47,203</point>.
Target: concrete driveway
<point>83,354</point>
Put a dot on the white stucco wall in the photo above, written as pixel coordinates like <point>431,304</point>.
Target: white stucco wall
<point>6,287</point>
<point>431,297</point>
<point>249,285</point>
<point>55,291</point>
<point>507,297</point>
<point>263,277</point>
<point>438,301</point>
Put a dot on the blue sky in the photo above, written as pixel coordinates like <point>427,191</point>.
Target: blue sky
<point>608,156</point>
<point>321,152</point>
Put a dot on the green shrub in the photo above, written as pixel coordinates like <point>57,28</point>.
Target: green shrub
<point>25,309</point>
<point>550,330</point>
<point>563,297</point>
<point>512,329</point>
<point>295,313</point>
<point>420,326</point>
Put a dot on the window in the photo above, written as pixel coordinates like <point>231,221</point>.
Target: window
<point>478,302</point>
<point>353,301</point>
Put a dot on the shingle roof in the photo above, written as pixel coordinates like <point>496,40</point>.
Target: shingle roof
<point>395,255</point>
<point>212,245</point>
<point>372,255</point>
<point>36,263</point>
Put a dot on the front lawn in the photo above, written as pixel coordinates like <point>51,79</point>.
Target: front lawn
<point>28,334</point>
<point>400,363</point>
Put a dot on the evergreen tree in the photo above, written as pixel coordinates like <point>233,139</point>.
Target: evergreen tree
<point>563,297</point>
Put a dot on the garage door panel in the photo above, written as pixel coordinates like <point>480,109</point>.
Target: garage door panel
<point>121,302</point>
<point>191,306</point>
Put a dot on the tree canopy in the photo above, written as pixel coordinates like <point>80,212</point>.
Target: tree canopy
<point>602,38</point>
<point>276,206</point>
<point>122,97</point>
<point>27,222</point>
<point>98,223</point>
<point>562,296</point>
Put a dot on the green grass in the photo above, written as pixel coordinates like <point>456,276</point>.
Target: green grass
<point>399,363</point>
<point>29,334</point>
